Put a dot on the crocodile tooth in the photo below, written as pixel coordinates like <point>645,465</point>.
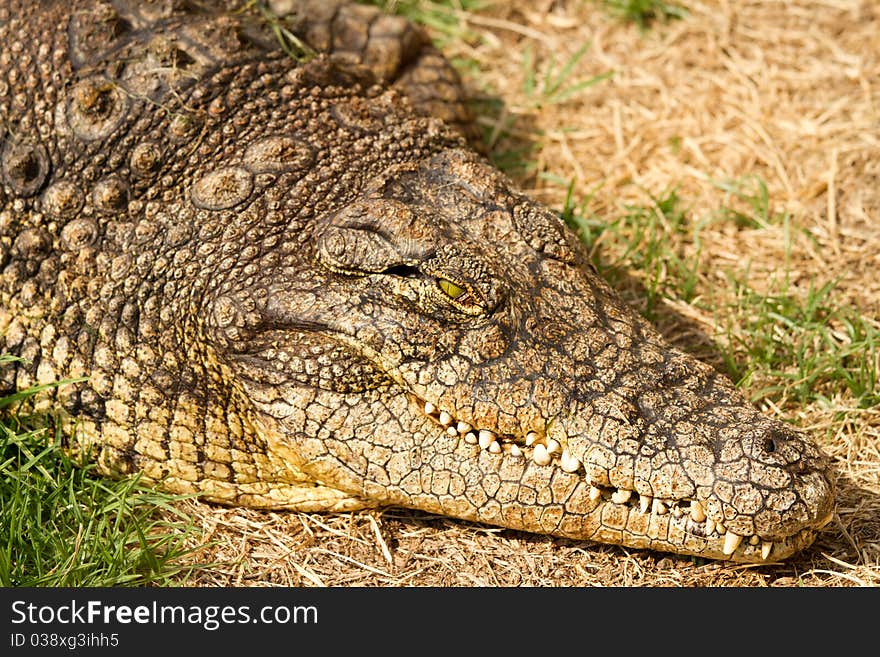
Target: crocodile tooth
<point>595,493</point>
<point>720,527</point>
<point>540,455</point>
<point>451,431</point>
<point>824,521</point>
<point>621,495</point>
<point>676,511</point>
<point>553,446</point>
<point>697,512</point>
<point>463,427</point>
<point>430,408</point>
<point>471,438</point>
<point>445,418</point>
<point>754,540</point>
<point>645,501</point>
<point>568,462</point>
<point>515,450</point>
<point>658,507</point>
<point>531,437</point>
<point>766,547</point>
<point>495,447</point>
<point>731,542</point>
<point>486,438</point>
<point>710,526</point>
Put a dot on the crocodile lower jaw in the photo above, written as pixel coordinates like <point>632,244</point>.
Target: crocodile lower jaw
<point>688,515</point>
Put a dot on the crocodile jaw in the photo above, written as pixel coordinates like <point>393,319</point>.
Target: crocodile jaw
<point>407,452</point>
<point>651,514</point>
<point>654,517</point>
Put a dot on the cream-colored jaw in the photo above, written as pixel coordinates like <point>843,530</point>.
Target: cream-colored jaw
<point>689,514</point>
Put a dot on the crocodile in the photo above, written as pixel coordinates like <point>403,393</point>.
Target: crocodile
<point>259,245</point>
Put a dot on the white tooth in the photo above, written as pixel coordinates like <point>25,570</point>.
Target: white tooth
<point>658,507</point>
<point>486,438</point>
<point>720,527</point>
<point>463,427</point>
<point>766,547</point>
<point>697,512</point>
<point>676,511</point>
<point>531,437</point>
<point>621,495</point>
<point>540,455</point>
<point>595,493</point>
<point>710,526</point>
<point>569,463</point>
<point>495,447</point>
<point>754,540</point>
<point>553,446</point>
<point>451,431</point>
<point>430,408</point>
<point>731,542</point>
<point>445,418</point>
<point>645,501</point>
<point>515,450</point>
<point>471,438</point>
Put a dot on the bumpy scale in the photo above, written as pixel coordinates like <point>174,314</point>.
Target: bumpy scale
<point>292,284</point>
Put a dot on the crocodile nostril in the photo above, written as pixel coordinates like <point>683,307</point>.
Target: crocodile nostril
<point>775,440</point>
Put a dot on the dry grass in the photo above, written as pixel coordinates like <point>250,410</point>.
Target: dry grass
<point>788,92</point>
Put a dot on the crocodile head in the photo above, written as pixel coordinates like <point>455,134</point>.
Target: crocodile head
<point>447,347</point>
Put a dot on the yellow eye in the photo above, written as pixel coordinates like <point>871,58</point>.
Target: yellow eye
<point>450,288</point>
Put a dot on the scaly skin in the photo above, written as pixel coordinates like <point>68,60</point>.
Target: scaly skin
<point>290,288</point>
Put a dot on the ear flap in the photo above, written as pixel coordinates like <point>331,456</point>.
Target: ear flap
<point>373,235</point>
<point>356,251</point>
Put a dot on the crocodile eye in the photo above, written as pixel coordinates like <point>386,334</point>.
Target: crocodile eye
<point>450,289</point>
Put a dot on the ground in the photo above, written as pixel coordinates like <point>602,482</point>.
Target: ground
<point>723,167</point>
